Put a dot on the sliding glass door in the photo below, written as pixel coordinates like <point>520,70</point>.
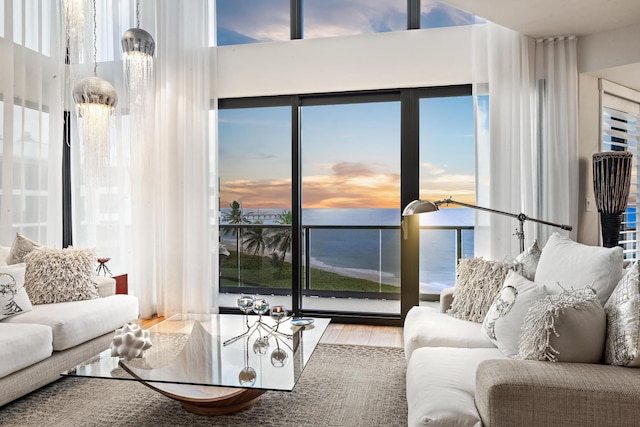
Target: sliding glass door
<point>351,205</point>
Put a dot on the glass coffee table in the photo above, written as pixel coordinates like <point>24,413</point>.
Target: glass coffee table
<point>215,364</point>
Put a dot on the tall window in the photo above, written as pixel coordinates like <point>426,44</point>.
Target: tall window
<point>343,153</point>
<point>324,18</point>
<point>254,149</point>
<point>252,21</point>
<point>620,132</point>
<point>447,170</point>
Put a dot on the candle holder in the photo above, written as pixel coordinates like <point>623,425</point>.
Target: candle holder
<point>260,306</point>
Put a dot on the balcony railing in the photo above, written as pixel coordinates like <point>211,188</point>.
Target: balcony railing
<point>366,262</point>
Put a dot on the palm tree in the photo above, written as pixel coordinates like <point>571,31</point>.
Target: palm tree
<point>281,239</point>
<point>235,217</point>
<point>255,239</point>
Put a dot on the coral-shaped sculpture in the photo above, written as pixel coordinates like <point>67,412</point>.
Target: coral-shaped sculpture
<point>130,342</point>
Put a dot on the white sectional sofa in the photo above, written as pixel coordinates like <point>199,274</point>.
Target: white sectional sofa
<point>458,377</point>
<point>36,346</point>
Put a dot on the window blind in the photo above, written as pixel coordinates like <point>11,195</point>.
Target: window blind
<point>620,132</point>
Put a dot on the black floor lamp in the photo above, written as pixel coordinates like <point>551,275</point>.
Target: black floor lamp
<point>422,206</point>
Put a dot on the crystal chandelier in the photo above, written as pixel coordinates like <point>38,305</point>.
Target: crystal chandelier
<point>73,11</point>
<point>138,47</point>
<point>95,100</point>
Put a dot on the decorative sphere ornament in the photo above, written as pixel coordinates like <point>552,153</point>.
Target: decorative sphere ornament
<point>130,342</point>
<point>260,346</point>
<point>279,357</point>
<point>247,376</point>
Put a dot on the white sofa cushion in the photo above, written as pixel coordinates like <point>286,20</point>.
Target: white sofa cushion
<point>441,386</point>
<point>78,321</point>
<point>22,345</point>
<point>428,327</point>
<point>574,265</point>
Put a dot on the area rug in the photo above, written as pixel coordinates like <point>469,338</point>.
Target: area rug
<point>342,386</point>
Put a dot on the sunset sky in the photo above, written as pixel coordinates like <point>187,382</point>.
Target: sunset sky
<point>351,153</point>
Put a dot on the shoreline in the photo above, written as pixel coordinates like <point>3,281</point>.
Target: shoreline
<point>383,278</point>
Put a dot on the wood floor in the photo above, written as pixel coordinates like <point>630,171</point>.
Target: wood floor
<point>338,333</point>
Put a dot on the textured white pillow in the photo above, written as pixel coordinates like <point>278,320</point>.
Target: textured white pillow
<point>4,254</point>
<point>59,275</point>
<point>574,265</point>
<point>622,345</point>
<point>20,248</point>
<point>528,260</point>
<point>478,282</point>
<point>13,297</point>
<point>504,320</point>
<point>565,327</point>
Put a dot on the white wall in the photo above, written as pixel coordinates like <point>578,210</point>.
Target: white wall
<point>613,55</point>
<point>430,57</point>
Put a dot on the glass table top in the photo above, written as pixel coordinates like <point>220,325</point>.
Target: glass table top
<point>216,350</point>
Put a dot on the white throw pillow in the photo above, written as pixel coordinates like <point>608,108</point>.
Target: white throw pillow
<point>622,345</point>
<point>528,260</point>
<point>574,265</point>
<point>13,297</point>
<point>21,246</point>
<point>565,327</point>
<point>503,322</point>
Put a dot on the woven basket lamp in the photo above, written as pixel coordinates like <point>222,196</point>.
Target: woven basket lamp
<point>611,184</point>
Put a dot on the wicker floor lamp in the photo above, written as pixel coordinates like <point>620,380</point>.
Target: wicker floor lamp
<point>611,183</point>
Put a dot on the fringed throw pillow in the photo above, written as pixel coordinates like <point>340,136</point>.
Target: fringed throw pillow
<point>622,347</point>
<point>477,284</point>
<point>59,275</point>
<point>566,327</point>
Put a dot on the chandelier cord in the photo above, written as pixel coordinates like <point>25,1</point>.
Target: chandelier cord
<point>138,13</point>
<point>95,41</point>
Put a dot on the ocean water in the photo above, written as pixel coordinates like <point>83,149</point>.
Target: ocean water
<point>375,253</point>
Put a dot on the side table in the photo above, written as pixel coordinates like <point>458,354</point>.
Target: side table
<point>122,284</point>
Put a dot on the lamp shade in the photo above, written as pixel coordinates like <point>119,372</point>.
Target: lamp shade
<point>137,40</point>
<point>419,206</point>
<point>94,90</point>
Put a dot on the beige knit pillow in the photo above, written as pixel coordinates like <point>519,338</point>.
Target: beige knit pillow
<point>477,284</point>
<point>59,275</point>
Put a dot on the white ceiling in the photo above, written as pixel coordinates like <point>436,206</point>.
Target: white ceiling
<point>541,18</point>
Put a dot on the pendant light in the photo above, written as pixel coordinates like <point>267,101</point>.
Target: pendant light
<point>95,100</point>
<point>137,47</point>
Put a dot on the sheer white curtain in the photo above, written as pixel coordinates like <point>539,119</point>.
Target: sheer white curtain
<point>153,218</point>
<point>180,176</point>
<point>31,116</point>
<point>530,158</point>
